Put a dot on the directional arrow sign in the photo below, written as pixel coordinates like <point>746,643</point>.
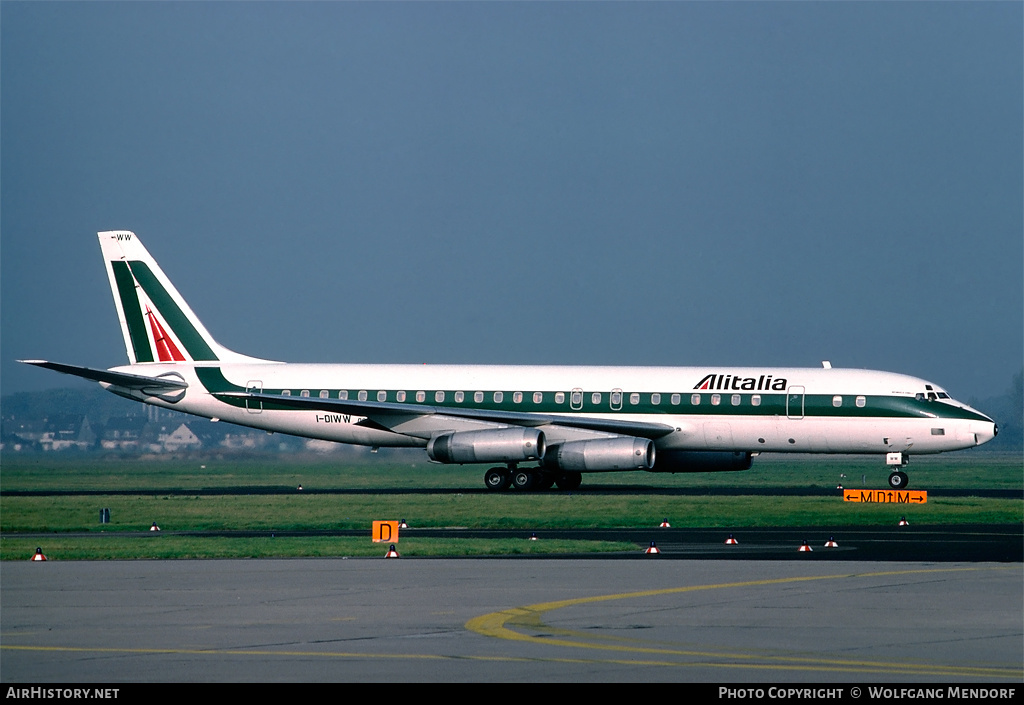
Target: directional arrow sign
<point>886,496</point>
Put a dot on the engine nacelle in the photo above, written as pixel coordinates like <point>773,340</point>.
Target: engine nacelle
<point>701,461</point>
<point>500,445</point>
<point>623,453</point>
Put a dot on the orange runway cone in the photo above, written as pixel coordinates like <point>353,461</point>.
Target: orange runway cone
<point>831,543</point>
<point>731,541</point>
<point>805,547</point>
<point>664,525</point>
<point>38,555</point>
<point>392,553</point>
<point>652,549</point>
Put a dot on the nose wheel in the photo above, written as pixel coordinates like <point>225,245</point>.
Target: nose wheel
<point>898,480</point>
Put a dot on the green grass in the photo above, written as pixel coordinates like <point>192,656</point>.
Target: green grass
<point>528,511</point>
<point>70,471</point>
<point>457,501</point>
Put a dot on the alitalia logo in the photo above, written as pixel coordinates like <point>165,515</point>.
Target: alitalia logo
<point>735,382</point>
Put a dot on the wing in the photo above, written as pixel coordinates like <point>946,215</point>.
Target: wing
<point>393,414</point>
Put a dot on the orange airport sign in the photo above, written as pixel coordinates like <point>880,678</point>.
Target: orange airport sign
<point>385,532</point>
<point>886,496</point>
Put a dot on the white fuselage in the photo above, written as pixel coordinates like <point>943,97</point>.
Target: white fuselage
<point>806,410</point>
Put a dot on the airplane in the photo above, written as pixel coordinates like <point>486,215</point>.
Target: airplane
<point>541,426</point>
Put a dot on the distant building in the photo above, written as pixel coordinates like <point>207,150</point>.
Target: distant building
<point>180,439</point>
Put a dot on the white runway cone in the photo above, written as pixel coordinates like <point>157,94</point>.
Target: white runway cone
<point>154,527</point>
<point>831,543</point>
<point>402,524</point>
<point>664,525</point>
<point>904,522</point>
<point>731,541</point>
<point>38,555</point>
<point>392,553</point>
<point>652,550</point>
<point>805,547</point>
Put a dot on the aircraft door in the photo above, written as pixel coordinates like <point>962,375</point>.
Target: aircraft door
<point>253,386</point>
<point>795,403</point>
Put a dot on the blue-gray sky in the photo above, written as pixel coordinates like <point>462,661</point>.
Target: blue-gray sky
<point>575,183</point>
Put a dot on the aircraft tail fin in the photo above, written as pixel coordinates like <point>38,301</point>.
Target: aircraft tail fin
<point>157,324</point>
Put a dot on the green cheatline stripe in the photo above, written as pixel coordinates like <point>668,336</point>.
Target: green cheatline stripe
<point>176,320</point>
<point>132,312</point>
<point>819,405</point>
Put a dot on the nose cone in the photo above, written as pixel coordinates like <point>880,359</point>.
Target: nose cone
<point>985,431</point>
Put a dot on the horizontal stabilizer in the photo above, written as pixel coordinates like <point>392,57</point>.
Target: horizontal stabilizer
<point>379,411</point>
<point>120,379</point>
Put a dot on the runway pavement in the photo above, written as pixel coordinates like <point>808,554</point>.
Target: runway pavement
<point>507,620</point>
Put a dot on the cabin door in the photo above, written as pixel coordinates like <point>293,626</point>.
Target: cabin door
<point>795,403</point>
<point>253,386</point>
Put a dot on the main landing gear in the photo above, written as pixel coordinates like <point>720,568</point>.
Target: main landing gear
<point>530,479</point>
<point>898,480</point>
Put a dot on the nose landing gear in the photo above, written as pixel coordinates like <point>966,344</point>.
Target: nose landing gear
<point>898,480</point>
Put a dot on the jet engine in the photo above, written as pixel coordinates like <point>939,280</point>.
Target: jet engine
<point>621,453</point>
<point>701,461</point>
<point>500,445</point>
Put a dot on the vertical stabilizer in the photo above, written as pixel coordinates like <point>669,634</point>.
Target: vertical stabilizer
<point>157,324</point>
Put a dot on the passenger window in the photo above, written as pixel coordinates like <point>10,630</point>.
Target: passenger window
<point>478,397</point>
<point>559,397</point>
<point>837,401</point>
<point>695,399</point>
<point>595,398</point>
<point>655,399</point>
<point>382,395</point>
<point>755,400</point>
<point>400,396</point>
<point>324,394</point>
<point>676,399</point>
<point>938,432</point>
<point>634,398</point>
<point>616,398</point>
<point>304,393</point>
<point>499,397</point>
<point>421,396</point>
<point>577,399</point>
<point>343,394</point>
<point>538,397</point>
<point>438,396</point>
<point>735,399</point>
<point>716,399</point>
<point>286,392</point>
<point>517,397</point>
<point>362,395</point>
<point>459,397</point>
<point>861,401</point>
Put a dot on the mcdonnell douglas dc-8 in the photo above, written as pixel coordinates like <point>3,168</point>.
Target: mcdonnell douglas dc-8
<point>540,425</point>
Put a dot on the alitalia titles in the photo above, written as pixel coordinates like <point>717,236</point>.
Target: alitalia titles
<point>737,383</point>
